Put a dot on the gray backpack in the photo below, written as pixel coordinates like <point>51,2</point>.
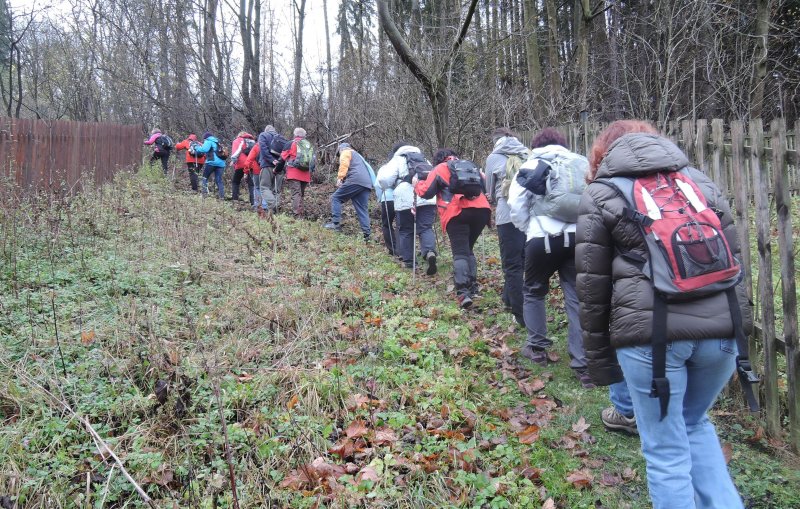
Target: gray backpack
<point>565,184</point>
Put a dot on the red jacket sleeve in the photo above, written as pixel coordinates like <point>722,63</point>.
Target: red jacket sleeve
<point>183,145</point>
<point>252,157</point>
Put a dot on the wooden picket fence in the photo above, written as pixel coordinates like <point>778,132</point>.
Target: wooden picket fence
<point>60,156</point>
<point>759,170</point>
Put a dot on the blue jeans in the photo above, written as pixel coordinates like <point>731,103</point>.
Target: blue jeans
<point>359,195</point>
<point>621,398</point>
<point>217,171</point>
<point>685,465</point>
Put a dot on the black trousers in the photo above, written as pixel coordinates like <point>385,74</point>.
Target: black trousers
<point>236,182</point>
<point>512,257</point>
<point>388,226</point>
<point>463,231</point>
<point>164,157</point>
<point>193,169</point>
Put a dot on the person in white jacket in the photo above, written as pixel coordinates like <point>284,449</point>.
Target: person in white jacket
<point>410,209</point>
<point>550,247</point>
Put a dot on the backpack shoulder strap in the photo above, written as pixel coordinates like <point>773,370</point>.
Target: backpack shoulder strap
<point>623,186</point>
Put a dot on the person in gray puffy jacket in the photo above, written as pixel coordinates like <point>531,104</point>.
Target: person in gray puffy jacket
<point>685,464</point>
<point>511,238</point>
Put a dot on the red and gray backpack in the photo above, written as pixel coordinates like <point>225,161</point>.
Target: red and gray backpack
<point>688,258</point>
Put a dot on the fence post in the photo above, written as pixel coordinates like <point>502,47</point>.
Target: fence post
<point>687,129</point>
<point>765,298</point>
<point>700,147</point>
<point>718,156</point>
<point>742,204</point>
<point>783,203</point>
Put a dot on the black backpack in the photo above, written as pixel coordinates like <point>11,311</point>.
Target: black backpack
<point>249,143</point>
<point>465,178</point>
<point>417,165</point>
<point>165,143</point>
<point>278,145</point>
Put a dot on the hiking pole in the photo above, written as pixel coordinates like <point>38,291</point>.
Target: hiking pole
<point>414,241</point>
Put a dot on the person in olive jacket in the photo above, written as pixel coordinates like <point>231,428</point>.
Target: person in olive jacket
<point>685,464</point>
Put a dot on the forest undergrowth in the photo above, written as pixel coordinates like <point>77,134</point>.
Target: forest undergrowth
<point>207,348</point>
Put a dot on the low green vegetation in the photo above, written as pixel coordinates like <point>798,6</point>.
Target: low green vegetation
<point>342,380</point>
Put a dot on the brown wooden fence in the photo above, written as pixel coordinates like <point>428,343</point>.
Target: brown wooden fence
<point>61,155</point>
<point>759,169</point>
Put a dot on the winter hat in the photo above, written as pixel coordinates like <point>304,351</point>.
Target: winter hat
<point>299,132</point>
<point>343,146</point>
<point>156,131</point>
<point>270,129</point>
<point>193,137</point>
<point>207,134</point>
<point>243,134</point>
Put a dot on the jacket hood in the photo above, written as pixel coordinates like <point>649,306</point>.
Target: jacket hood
<point>193,137</point>
<point>406,149</point>
<point>641,153</point>
<point>508,145</point>
<point>548,150</point>
<point>246,135</point>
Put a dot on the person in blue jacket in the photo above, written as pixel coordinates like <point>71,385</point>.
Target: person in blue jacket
<point>213,164</point>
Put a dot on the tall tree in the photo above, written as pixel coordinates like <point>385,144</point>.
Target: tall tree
<point>760,66</point>
<point>298,58</point>
<point>433,76</point>
<point>532,53</point>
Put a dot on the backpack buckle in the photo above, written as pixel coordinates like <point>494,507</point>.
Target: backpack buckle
<point>745,372</point>
<point>637,216</point>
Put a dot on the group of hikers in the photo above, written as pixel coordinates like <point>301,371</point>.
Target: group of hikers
<point>645,248</point>
<point>265,163</point>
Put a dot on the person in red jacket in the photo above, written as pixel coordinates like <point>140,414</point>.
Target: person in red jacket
<point>194,162</point>
<point>240,148</point>
<point>462,218</point>
<point>297,178</point>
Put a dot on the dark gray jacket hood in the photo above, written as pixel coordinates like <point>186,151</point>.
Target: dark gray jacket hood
<point>640,153</point>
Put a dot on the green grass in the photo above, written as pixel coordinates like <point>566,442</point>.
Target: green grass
<point>311,336</point>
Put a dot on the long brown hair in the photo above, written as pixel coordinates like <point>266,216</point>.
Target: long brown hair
<point>611,134</point>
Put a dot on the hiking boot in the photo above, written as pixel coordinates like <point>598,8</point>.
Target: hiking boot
<point>475,290</point>
<point>431,259</point>
<point>585,380</point>
<point>333,226</point>
<point>614,420</point>
<point>464,301</point>
<point>536,356</point>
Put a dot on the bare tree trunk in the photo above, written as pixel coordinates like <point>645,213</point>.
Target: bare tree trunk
<point>298,59</point>
<point>330,109</point>
<point>435,82</point>
<point>552,54</point>
<point>532,54</point>
<point>760,67</point>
